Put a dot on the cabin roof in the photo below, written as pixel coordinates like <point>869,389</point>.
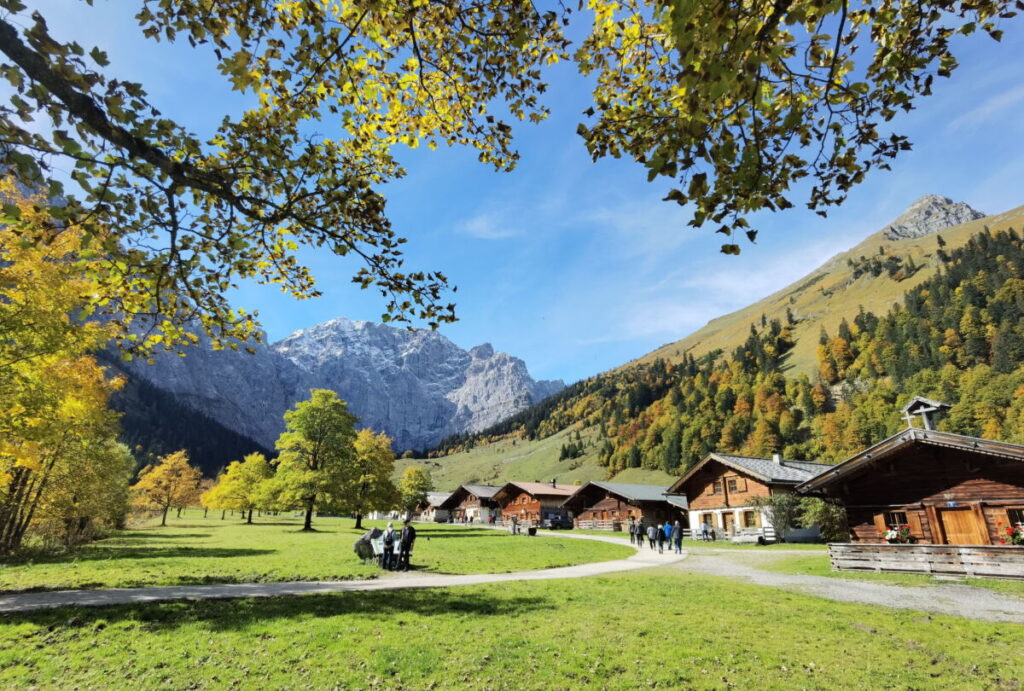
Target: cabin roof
<point>910,437</point>
<point>767,470</point>
<point>678,500</point>
<point>463,491</point>
<point>629,492</point>
<point>437,498</point>
<point>542,489</point>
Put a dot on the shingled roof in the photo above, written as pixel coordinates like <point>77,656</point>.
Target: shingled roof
<point>909,437</point>
<point>767,470</point>
<point>628,492</point>
<point>463,491</point>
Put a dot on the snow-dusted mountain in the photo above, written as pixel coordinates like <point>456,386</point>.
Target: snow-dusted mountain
<point>416,385</point>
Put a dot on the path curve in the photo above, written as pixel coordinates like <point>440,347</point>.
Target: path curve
<point>959,600</point>
<point>27,602</point>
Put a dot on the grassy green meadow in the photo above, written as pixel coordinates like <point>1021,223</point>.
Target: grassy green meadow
<point>659,628</point>
<point>194,550</point>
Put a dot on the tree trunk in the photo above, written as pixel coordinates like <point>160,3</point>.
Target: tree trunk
<point>163,520</point>
<point>359,521</point>
<point>179,512</point>
<point>223,513</point>
<point>205,511</point>
<point>308,525</point>
<point>250,517</point>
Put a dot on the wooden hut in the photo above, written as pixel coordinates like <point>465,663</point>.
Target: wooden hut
<point>721,487</point>
<point>472,503</point>
<point>946,488</point>
<point>610,505</point>
<point>430,509</point>
<point>533,502</point>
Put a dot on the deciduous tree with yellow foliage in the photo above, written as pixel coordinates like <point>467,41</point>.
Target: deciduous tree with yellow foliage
<point>171,483</point>
<point>62,475</point>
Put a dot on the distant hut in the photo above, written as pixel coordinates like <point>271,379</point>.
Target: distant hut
<point>610,505</point>
<point>430,509</point>
<point>532,502</point>
<point>472,502</point>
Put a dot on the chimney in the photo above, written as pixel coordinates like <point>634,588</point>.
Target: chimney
<point>777,458</point>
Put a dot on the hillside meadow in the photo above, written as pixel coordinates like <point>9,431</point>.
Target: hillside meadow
<point>659,628</point>
<point>508,459</point>
<point>193,550</point>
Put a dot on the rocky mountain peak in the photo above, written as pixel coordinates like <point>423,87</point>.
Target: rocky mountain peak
<point>482,351</point>
<point>416,385</point>
<point>930,214</point>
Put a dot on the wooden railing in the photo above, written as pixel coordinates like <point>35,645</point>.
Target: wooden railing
<point>981,561</point>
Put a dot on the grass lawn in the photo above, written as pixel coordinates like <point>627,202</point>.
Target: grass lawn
<point>197,550</point>
<point>657,628</point>
<point>819,565</point>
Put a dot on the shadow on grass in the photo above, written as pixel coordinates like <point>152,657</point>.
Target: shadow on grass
<point>229,615</point>
<point>152,535</point>
<point>132,553</point>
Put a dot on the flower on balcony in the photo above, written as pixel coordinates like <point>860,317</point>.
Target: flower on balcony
<point>1011,534</point>
<point>898,535</point>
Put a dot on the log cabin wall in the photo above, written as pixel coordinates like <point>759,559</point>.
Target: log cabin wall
<point>924,481</point>
<point>610,508</point>
<point>709,488</point>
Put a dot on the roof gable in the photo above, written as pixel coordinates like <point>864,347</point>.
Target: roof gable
<point>630,493</point>
<point>903,440</point>
<point>464,491</point>
<point>766,470</point>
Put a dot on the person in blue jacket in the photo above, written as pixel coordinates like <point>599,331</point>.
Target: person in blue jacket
<point>677,537</point>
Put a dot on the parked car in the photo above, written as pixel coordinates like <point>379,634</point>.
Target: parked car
<point>556,524</point>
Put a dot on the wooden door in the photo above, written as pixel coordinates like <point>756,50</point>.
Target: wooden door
<point>727,523</point>
<point>961,527</point>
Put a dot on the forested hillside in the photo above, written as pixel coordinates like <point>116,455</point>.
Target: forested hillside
<point>956,336</point>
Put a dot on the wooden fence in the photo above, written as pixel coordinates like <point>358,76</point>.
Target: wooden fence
<point>980,561</point>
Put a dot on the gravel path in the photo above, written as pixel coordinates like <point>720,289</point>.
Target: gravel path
<point>26,602</point>
<point>959,600</point>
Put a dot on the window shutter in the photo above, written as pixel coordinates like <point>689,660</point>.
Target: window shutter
<point>914,523</point>
<point>880,525</point>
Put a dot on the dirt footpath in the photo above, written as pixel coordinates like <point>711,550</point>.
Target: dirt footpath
<point>959,600</point>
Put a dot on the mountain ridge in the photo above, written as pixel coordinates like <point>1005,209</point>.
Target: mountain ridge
<point>416,385</point>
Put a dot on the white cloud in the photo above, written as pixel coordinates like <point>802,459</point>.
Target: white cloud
<point>489,225</point>
<point>986,110</point>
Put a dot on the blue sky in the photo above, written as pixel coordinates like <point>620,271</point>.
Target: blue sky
<point>576,266</point>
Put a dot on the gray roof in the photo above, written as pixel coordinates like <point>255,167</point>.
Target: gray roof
<point>678,500</point>
<point>862,461</point>
<point>482,491</point>
<point>769,469</point>
<point>437,498</point>
<point>634,492</point>
<point>631,493</point>
<point>920,402</point>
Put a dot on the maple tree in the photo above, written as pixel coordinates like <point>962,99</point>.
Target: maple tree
<point>238,487</point>
<point>316,464</point>
<point>372,488</point>
<point>170,483</point>
<point>62,474</point>
<point>413,487</point>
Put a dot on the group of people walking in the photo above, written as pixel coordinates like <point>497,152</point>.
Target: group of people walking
<point>658,536</point>
<point>397,547</point>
